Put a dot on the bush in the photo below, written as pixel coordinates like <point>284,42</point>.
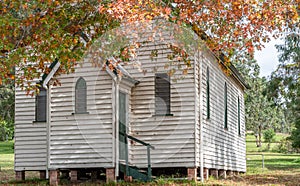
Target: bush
<point>2,133</point>
<point>269,136</point>
<point>285,146</point>
<point>6,131</point>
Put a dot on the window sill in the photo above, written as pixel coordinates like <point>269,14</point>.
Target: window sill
<point>34,122</point>
<point>163,115</point>
<point>75,113</point>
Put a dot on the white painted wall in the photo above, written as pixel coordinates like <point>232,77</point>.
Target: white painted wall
<point>82,140</point>
<point>223,149</point>
<point>30,136</point>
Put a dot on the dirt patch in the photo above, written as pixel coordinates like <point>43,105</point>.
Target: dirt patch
<point>279,178</point>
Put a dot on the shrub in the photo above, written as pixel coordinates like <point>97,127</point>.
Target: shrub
<point>269,137</point>
<point>6,131</point>
<point>285,146</point>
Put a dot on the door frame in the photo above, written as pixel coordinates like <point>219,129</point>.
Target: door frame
<point>126,123</point>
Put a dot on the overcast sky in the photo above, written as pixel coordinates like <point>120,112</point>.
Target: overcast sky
<point>267,58</point>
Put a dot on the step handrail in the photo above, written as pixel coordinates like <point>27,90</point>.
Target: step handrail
<point>140,141</point>
<point>149,146</point>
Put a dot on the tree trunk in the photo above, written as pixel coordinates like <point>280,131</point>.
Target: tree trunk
<point>259,136</point>
<point>256,139</point>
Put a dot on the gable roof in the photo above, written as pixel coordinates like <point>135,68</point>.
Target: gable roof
<point>115,68</point>
<point>47,77</point>
<point>114,72</point>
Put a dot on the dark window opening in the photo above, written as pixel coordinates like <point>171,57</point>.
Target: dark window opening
<point>225,107</point>
<point>80,96</point>
<point>162,94</point>
<point>207,94</point>
<point>239,117</point>
<point>41,105</point>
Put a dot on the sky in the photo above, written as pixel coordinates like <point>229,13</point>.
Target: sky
<point>267,58</point>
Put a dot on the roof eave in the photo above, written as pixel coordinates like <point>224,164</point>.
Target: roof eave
<point>47,77</point>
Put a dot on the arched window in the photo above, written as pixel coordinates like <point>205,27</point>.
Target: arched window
<point>80,96</point>
<point>41,105</point>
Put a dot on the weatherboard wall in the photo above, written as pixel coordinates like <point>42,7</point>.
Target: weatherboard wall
<point>82,140</point>
<point>222,148</point>
<point>172,135</point>
<point>30,136</point>
<point>88,140</point>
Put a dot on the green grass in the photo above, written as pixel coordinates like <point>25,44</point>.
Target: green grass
<point>251,145</point>
<point>6,147</point>
<point>279,169</point>
<point>272,161</point>
<point>6,155</point>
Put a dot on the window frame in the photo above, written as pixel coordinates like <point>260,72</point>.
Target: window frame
<point>225,107</point>
<point>80,91</point>
<point>239,116</point>
<point>41,105</point>
<point>165,80</point>
<point>207,94</point>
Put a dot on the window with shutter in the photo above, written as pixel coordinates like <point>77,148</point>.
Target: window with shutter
<point>207,94</point>
<point>80,96</point>
<point>239,117</point>
<point>162,94</point>
<point>41,105</point>
<point>225,107</point>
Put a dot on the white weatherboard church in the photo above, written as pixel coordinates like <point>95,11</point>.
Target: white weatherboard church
<point>125,124</point>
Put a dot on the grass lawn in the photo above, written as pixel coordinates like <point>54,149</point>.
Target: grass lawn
<point>6,155</point>
<point>279,169</point>
<point>7,172</point>
<point>6,161</point>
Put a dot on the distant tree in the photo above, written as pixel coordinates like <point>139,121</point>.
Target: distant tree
<point>286,81</point>
<point>261,113</point>
<point>269,137</point>
<point>295,137</point>
<point>7,107</point>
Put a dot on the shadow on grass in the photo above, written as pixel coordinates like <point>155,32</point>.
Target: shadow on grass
<point>281,164</point>
<point>286,162</point>
<point>7,147</point>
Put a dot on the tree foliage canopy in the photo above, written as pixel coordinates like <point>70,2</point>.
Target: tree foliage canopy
<point>285,81</point>
<point>261,112</point>
<point>35,33</point>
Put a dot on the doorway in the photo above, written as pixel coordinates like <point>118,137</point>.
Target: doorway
<point>122,126</point>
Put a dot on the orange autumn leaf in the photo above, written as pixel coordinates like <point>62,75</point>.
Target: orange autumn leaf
<point>56,29</point>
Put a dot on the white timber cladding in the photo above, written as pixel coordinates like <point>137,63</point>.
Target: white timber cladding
<point>82,140</point>
<point>172,136</point>
<point>222,148</point>
<point>181,139</point>
<point>30,137</point>
<point>197,109</point>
